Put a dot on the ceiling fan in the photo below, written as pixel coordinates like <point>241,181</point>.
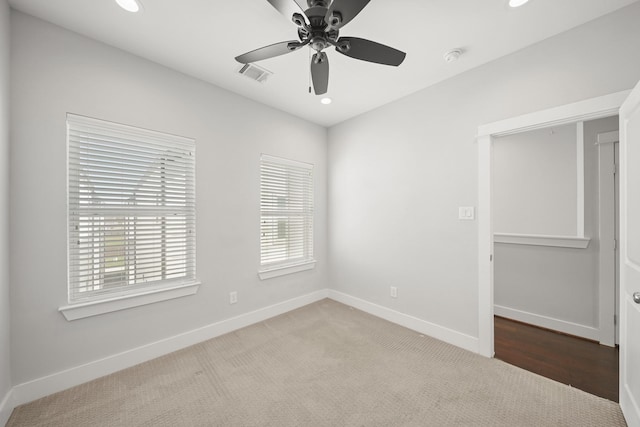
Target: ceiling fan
<point>319,27</point>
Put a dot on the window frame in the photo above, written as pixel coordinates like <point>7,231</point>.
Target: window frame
<point>157,216</point>
<point>304,211</point>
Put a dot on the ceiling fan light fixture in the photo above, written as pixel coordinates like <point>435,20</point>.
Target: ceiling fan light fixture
<point>517,3</point>
<point>326,101</point>
<point>130,5</point>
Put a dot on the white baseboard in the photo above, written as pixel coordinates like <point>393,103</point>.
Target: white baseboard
<point>436,331</point>
<point>6,407</point>
<point>41,387</point>
<point>576,329</point>
<point>32,390</point>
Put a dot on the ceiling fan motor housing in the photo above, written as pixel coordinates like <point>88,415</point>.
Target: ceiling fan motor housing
<point>319,34</point>
<point>316,16</point>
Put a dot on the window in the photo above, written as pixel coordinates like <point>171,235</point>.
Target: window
<point>131,210</point>
<point>286,216</point>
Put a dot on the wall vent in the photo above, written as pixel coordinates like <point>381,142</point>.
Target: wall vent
<point>254,72</point>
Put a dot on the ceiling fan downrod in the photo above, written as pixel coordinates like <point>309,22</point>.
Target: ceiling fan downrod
<point>318,3</point>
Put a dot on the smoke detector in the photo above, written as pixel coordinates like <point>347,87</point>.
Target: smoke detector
<point>452,55</point>
<point>255,72</point>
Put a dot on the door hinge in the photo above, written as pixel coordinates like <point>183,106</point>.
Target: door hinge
<point>615,319</point>
<point>490,258</point>
<point>615,244</point>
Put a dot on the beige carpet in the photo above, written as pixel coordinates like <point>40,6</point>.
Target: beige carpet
<point>322,365</point>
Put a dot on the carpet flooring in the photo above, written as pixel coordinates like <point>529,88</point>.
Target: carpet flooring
<point>325,364</point>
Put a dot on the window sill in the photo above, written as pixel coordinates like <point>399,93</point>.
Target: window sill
<point>285,269</point>
<point>94,308</point>
<point>542,240</point>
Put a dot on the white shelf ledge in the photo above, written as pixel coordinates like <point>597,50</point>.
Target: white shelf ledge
<point>542,240</point>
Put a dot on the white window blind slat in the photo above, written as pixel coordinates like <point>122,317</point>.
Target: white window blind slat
<point>131,195</point>
<point>87,151</point>
<point>104,142</point>
<point>286,212</point>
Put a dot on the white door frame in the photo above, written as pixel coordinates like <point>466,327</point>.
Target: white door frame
<point>590,109</point>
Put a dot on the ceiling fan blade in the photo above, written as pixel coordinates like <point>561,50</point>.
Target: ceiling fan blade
<point>270,51</point>
<point>320,73</point>
<point>342,11</point>
<point>288,8</point>
<point>367,50</point>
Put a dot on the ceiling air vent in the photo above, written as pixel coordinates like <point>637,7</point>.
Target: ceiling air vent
<point>254,72</point>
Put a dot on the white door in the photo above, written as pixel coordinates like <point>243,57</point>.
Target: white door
<point>630,258</point>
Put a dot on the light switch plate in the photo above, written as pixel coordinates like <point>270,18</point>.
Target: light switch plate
<point>467,213</point>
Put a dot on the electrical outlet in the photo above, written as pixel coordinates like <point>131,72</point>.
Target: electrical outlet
<point>394,292</point>
<point>233,297</point>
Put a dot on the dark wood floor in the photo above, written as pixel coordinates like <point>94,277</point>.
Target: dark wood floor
<point>580,363</point>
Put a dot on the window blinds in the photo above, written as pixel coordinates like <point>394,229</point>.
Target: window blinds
<point>286,212</point>
<point>131,200</point>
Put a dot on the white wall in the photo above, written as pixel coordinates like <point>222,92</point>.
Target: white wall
<point>55,71</point>
<point>535,182</point>
<point>398,174</point>
<point>5,367</point>
<point>557,287</point>
<point>396,178</point>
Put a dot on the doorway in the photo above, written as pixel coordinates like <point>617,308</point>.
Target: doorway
<point>605,106</point>
<point>554,297</point>
<point>553,210</point>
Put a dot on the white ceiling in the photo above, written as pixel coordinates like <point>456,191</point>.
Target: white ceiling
<point>202,37</point>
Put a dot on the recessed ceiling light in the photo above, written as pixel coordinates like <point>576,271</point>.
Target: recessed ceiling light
<point>326,101</point>
<point>129,5</point>
<point>517,3</point>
